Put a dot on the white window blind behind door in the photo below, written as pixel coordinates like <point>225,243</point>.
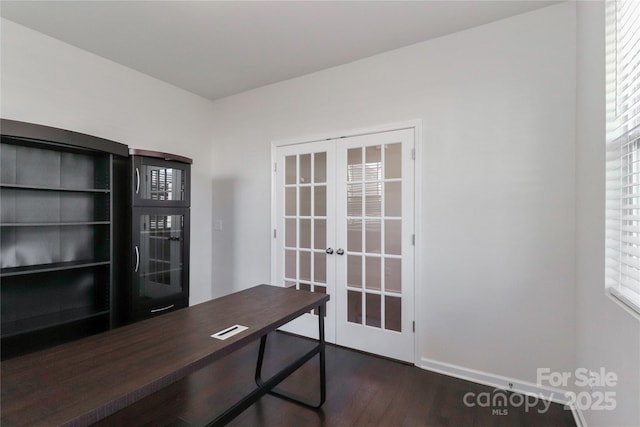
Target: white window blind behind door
<point>622,268</point>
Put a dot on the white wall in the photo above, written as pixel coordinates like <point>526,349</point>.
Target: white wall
<point>607,336</point>
<point>498,190</point>
<point>48,82</point>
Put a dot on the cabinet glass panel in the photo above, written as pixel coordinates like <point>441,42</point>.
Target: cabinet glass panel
<point>159,260</point>
<point>161,183</point>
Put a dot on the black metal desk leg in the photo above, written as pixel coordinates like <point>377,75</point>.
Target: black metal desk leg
<point>258,376</point>
<point>323,373</point>
<point>319,349</point>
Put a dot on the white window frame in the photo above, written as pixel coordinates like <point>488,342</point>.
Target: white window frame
<point>622,241</point>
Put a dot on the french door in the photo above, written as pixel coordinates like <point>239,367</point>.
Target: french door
<point>344,224</point>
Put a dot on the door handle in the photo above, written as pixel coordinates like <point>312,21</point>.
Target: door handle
<point>137,259</point>
<point>340,251</point>
<point>329,251</point>
<point>137,180</point>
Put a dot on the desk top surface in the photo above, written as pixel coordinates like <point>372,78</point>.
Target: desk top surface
<point>86,380</point>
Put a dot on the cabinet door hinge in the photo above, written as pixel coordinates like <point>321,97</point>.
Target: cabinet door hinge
<point>275,167</point>
<point>413,154</point>
<point>413,239</point>
<point>414,326</point>
<point>274,233</point>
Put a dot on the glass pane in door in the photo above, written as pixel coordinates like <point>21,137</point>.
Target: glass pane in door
<point>373,224</point>
<point>305,219</point>
<point>160,255</point>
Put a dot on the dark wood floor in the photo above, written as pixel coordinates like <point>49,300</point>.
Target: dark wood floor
<point>362,390</point>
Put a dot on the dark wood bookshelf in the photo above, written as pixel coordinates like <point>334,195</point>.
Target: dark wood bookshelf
<point>58,318</point>
<point>56,266</point>
<point>57,219</point>
<point>46,188</point>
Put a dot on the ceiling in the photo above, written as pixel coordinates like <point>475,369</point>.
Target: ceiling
<point>216,49</point>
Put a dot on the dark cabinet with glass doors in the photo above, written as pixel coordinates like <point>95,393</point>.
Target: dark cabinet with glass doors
<point>160,190</point>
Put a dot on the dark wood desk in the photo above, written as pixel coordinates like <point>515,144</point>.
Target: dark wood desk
<point>84,381</point>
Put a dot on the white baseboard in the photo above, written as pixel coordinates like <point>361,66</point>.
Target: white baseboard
<point>578,417</point>
<point>555,395</point>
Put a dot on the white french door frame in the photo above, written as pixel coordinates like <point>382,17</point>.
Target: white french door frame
<point>416,125</point>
